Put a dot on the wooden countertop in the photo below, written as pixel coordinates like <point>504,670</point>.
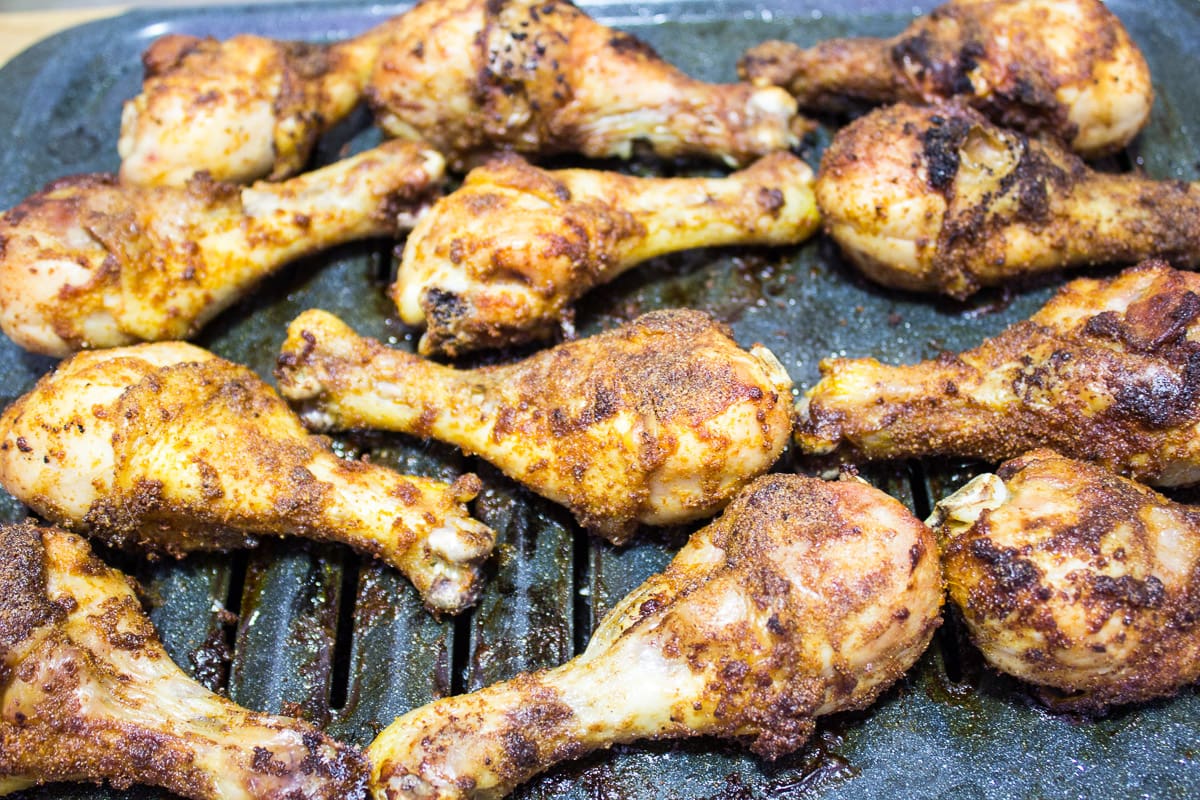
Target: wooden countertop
<point>20,29</point>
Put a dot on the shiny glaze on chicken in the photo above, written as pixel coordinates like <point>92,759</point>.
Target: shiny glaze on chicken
<point>89,262</point>
<point>1064,68</point>
<point>805,598</point>
<point>501,260</point>
<point>939,199</point>
<point>88,693</point>
<point>1108,371</point>
<point>168,448</point>
<point>540,76</point>
<point>1073,578</point>
<point>658,421</point>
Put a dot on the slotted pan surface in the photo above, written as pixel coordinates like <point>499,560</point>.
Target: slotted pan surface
<point>343,642</point>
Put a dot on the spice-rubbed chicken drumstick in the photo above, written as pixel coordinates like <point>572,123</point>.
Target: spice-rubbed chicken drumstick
<point>167,447</point>
<point>540,76</point>
<point>1108,371</point>
<point>1071,577</point>
<point>659,421</point>
<point>805,598</point>
<point>90,694</point>
<point>90,263</point>
<point>239,110</point>
<point>939,199</point>
<point>1061,67</point>
<point>501,260</point>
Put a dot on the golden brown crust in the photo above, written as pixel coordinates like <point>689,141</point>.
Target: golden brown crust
<point>1082,581</point>
<point>23,579</point>
<point>1107,371</point>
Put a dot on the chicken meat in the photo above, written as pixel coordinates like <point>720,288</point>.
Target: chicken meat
<point>540,76</point>
<point>805,598</point>
<point>166,447</point>
<point>1076,579</point>
<point>1066,68</point>
<point>939,199</point>
<point>241,109</point>
<point>90,262</point>
<point>88,693</point>
<point>501,260</point>
<point>1107,370</point>
<point>659,421</point>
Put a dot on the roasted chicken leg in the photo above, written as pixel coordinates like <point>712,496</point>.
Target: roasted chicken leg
<point>939,199</point>
<point>239,110</point>
<point>1107,371</point>
<point>659,421</point>
<point>1071,577</point>
<point>805,598</point>
<point>1061,67</point>
<point>169,448</point>
<point>540,76</point>
<point>87,693</point>
<point>501,260</point>
<point>90,263</point>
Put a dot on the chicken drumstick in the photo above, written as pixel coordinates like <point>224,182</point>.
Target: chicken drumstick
<point>805,598</point>
<point>1066,68</point>
<point>939,199</point>
<point>1107,371</point>
<point>91,263</point>
<point>1071,577</point>
<point>240,110</point>
<point>90,694</point>
<point>500,260</point>
<point>659,421</point>
<point>167,447</point>
<point>540,76</point>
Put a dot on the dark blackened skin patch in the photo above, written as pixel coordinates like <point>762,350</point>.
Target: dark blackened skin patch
<point>1148,593</point>
<point>1008,570</point>
<point>940,144</point>
<point>441,307</point>
<point>627,44</point>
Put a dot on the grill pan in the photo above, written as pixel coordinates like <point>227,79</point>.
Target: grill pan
<point>313,630</point>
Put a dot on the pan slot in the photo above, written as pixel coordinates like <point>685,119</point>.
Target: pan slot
<point>232,614</point>
<point>343,643</point>
<point>922,503</point>
<point>581,595</point>
<point>460,653</point>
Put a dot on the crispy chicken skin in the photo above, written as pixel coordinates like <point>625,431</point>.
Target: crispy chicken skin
<point>168,448</point>
<point>540,76</point>
<point>1108,371</point>
<point>501,260</point>
<point>659,421</point>
<point>89,262</point>
<point>805,598</point>
<point>242,109</point>
<point>1066,68</point>
<point>938,199</point>
<point>1073,578</point>
<point>87,693</point>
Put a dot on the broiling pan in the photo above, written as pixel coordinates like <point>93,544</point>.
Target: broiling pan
<point>343,642</point>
